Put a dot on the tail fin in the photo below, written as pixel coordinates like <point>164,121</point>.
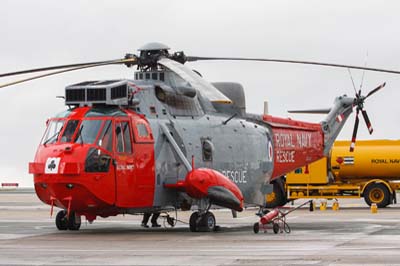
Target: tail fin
<point>335,120</point>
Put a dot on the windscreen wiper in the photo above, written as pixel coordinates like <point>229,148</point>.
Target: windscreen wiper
<point>55,136</point>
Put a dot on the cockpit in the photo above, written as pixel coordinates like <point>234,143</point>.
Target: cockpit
<point>99,133</point>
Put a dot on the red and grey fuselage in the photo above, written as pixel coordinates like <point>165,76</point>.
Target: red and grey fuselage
<point>107,160</point>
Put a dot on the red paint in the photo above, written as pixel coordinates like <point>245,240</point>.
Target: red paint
<point>296,144</point>
<point>269,216</point>
<point>135,183</point>
<point>306,170</point>
<point>97,193</point>
<point>199,180</point>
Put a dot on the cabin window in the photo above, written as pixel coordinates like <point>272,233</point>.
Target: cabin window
<point>142,130</point>
<point>207,148</point>
<point>105,139</point>
<point>69,131</point>
<point>88,131</point>
<point>123,137</point>
<point>97,161</point>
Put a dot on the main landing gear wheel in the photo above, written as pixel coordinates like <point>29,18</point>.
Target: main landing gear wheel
<point>208,222</point>
<point>73,222</point>
<point>193,222</point>
<point>202,223</point>
<point>61,220</point>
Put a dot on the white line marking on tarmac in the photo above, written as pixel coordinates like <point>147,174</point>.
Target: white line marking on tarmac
<point>189,250</point>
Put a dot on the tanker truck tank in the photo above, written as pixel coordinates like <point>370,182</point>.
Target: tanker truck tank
<point>377,158</point>
<point>371,171</point>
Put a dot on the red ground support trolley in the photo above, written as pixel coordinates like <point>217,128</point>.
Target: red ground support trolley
<point>276,219</point>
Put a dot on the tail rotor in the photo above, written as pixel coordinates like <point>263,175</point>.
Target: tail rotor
<point>359,104</point>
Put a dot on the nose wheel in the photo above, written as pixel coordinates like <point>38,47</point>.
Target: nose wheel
<point>65,222</point>
<point>202,222</point>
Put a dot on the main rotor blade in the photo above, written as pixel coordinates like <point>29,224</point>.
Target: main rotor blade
<point>355,129</point>
<point>56,67</point>
<point>199,58</point>
<point>310,111</point>
<point>367,121</point>
<point>197,82</point>
<point>375,90</point>
<point>120,61</point>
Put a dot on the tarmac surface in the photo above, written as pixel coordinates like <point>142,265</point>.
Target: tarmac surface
<point>350,236</point>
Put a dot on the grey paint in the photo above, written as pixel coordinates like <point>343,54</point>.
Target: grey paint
<point>240,147</point>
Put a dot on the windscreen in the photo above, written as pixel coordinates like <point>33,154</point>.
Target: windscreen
<point>88,131</point>
<point>53,131</point>
<point>69,131</point>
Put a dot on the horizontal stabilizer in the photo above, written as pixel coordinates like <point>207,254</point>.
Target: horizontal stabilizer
<point>311,111</point>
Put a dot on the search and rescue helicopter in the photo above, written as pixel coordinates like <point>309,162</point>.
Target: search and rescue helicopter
<point>169,140</point>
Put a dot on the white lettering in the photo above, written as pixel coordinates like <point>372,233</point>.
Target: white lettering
<point>237,176</point>
<point>304,140</point>
<point>284,140</point>
<point>285,156</point>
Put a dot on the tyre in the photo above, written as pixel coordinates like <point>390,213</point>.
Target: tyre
<point>275,228</point>
<point>278,196</point>
<point>208,222</point>
<point>286,228</point>
<point>256,228</point>
<point>61,220</point>
<point>74,222</point>
<point>377,193</point>
<point>193,226</point>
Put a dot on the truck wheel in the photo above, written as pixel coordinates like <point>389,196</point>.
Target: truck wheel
<point>278,196</point>
<point>377,193</point>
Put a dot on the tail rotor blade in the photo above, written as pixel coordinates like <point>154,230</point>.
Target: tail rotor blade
<point>367,121</point>
<point>375,90</point>
<point>353,138</point>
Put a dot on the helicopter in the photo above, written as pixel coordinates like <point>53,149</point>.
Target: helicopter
<point>170,140</point>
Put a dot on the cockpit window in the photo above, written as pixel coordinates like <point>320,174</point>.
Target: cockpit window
<point>123,133</point>
<point>88,131</point>
<point>69,131</point>
<point>97,112</point>
<point>105,139</point>
<point>53,131</point>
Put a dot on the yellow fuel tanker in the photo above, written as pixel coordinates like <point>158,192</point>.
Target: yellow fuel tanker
<point>372,171</point>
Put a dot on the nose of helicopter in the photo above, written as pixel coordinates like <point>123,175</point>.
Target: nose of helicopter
<point>60,180</point>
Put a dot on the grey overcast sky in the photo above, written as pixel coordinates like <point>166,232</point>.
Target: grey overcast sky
<point>48,32</point>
